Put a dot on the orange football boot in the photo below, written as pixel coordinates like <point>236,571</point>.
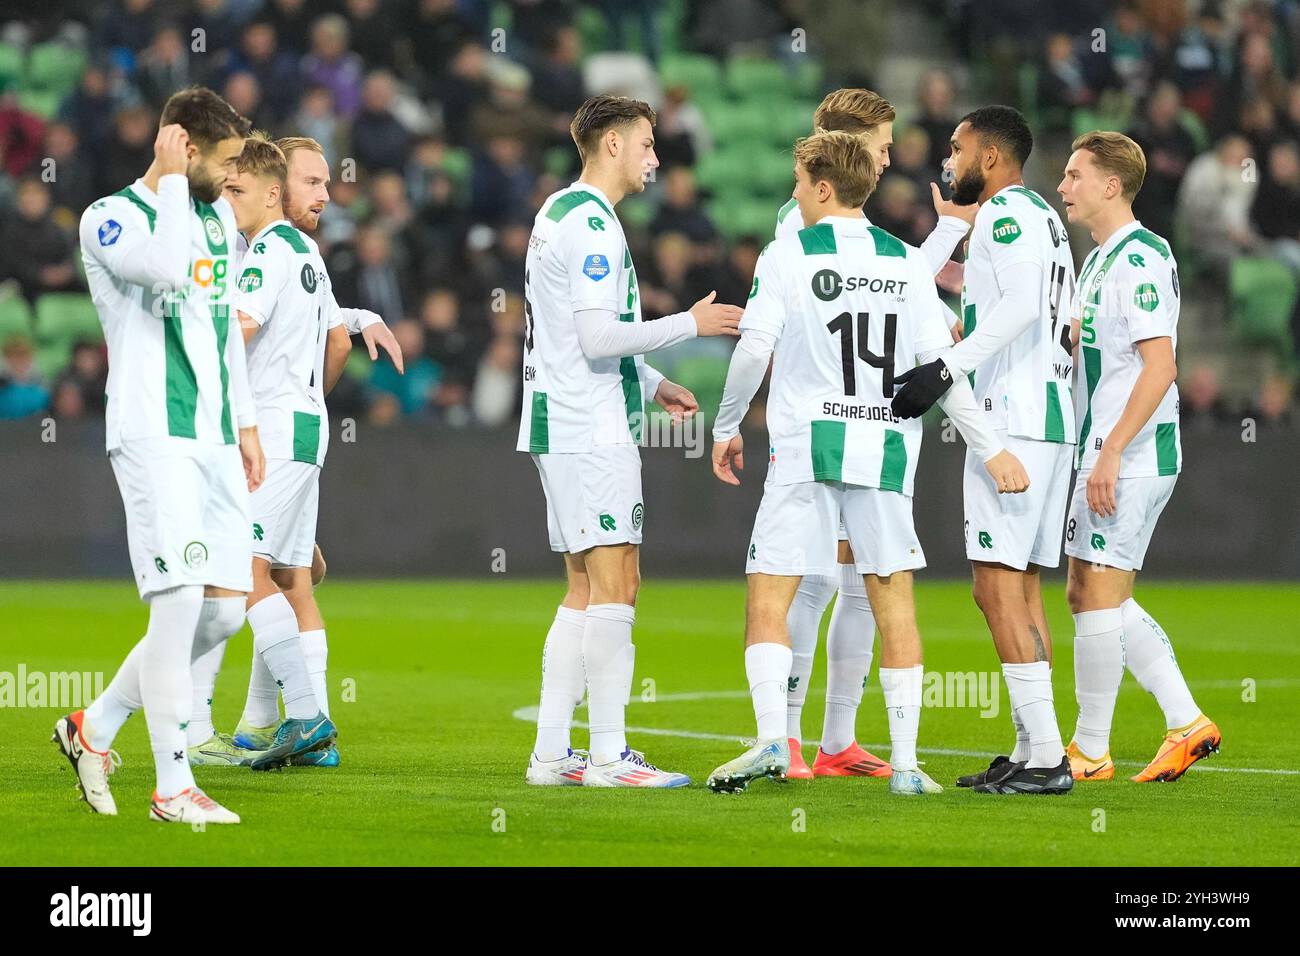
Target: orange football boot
<point>798,769</point>
<point>1182,747</point>
<point>1083,767</point>
<point>852,761</point>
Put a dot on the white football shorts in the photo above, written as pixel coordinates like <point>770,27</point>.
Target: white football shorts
<point>1121,540</point>
<point>284,513</point>
<point>1024,529</point>
<point>592,498</point>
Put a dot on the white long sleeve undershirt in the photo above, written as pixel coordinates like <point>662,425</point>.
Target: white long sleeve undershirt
<point>245,408</point>
<point>939,245</point>
<point>602,335</point>
<point>354,320</point>
<point>959,404</point>
<point>161,262</point>
<point>1016,311</point>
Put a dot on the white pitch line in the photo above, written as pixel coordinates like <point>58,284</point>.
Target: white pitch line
<point>529,715</point>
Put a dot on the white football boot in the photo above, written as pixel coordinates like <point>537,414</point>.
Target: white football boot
<point>90,766</point>
<point>191,805</point>
<point>911,783</point>
<point>631,770</point>
<point>567,771</point>
<point>767,758</point>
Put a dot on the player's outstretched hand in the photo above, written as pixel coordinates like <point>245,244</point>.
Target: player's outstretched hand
<point>955,332</point>
<point>951,277</point>
<point>714,318</point>
<point>946,207</point>
<point>250,449</point>
<point>1008,473</point>
<point>676,400</point>
<point>1102,482</point>
<point>169,149</point>
<point>921,388</point>
<point>379,336</point>
<point>725,454</point>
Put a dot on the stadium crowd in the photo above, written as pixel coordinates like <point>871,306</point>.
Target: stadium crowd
<point>446,132</point>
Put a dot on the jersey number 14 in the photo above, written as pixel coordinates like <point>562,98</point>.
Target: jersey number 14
<point>842,325</point>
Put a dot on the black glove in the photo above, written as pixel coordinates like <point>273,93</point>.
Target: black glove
<point>921,388</point>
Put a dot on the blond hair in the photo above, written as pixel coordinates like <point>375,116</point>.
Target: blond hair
<point>853,111</point>
<point>288,144</point>
<point>841,159</point>
<point>261,157</point>
<point>1116,155</point>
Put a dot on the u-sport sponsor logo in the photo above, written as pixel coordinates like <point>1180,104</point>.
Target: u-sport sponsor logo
<point>134,910</point>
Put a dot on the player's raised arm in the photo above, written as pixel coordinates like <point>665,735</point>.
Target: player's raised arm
<point>152,254</point>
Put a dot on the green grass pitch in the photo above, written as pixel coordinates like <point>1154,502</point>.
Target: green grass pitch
<point>434,752</point>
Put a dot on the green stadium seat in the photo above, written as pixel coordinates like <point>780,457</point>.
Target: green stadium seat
<point>809,80</point>
<point>1263,293</point>
<point>593,30</point>
<point>741,216</point>
<point>741,121</point>
<point>11,63</point>
<point>699,74</point>
<point>53,359</point>
<point>636,211</point>
<point>705,376</point>
<point>359,366</point>
<point>42,103</point>
<point>751,76</point>
<point>65,317</point>
<point>54,67</point>
<point>15,317</point>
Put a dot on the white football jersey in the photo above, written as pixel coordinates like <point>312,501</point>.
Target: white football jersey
<point>577,259</point>
<point>1024,388</point>
<point>936,250</point>
<point>1128,292</point>
<point>850,306</point>
<point>169,353</point>
<point>284,288</point>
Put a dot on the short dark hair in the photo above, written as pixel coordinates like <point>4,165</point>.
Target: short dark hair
<point>205,116</point>
<point>599,114</point>
<point>1004,127</point>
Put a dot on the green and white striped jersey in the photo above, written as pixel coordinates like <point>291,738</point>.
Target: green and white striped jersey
<point>1025,387</point>
<point>850,306</point>
<point>577,259</point>
<point>165,303</point>
<point>1128,292</point>
<point>284,288</point>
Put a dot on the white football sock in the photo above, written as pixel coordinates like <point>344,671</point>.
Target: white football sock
<point>220,618</point>
<point>902,688</point>
<point>848,660</point>
<point>1020,752</point>
<point>609,657</point>
<point>316,653</point>
<point>261,707</point>
<point>165,685</point>
<point>1150,657</point>
<point>275,638</point>
<point>1098,670</point>
<point>562,683</point>
<point>803,622</point>
<point>1030,688</point>
<point>767,666</point>
<point>121,698</point>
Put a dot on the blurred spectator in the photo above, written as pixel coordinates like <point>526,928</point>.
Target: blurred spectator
<point>501,179</point>
<point>21,135</point>
<point>292,21</point>
<point>453,348</point>
<point>1062,85</point>
<point>558,74</point>
<point>1276,211</point>
<point>365,277</point>
<point>617,12</point>
<point>332,65</point>
<point>1200,400</point>
<point>276,71</point>
<point>1256,80</point>
<point>79,389</point>
<point>127,25</point>
<point>1169,149</point>
<point>243,92</point>
<point>130,151</point>
<point>681,134</point>
<point>373,30</point>
<point>22,392</point>
<point>404,394</point>
<point>1271,406</point>
<point>666,286</point>
<point>73,186</point>
<point>896,207</point>
<point>89,110</point>
<point>1214,203</point>
<point>1130,49</point>
<point>316,118</point>
<point>217,20</point>
<point>510,111</point>
<point>910,158</point>
<point>681,210</point>
<point>435,38</point>
<point>38,253</point>
<point>379,140</point>
<point>496,385</point>
<point>938,118</point>
<point>164,67</point>
<point>736,277</point>
<point>1199,62</point>
<point>460,88</point>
